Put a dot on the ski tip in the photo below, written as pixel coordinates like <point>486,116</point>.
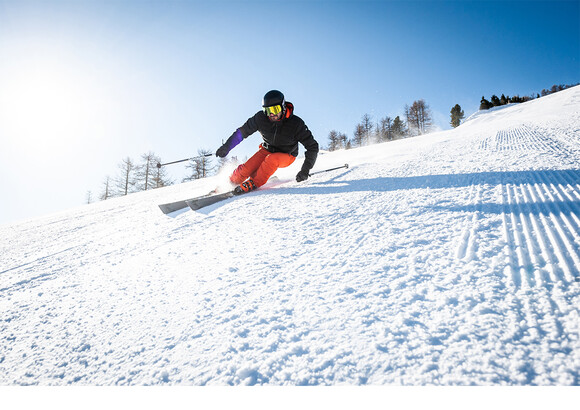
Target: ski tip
<point>172,207</point>
<point>346,165</point>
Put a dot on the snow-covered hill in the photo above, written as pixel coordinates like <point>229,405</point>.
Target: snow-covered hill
<point>447,259</point>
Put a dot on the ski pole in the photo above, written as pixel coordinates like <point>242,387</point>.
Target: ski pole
<point>326,170</point>
<point>159,165</point>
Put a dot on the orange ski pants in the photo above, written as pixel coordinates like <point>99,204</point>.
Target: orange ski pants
<point>261,166</point>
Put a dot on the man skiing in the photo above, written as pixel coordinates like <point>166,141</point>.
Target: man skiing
<point>281,132</point>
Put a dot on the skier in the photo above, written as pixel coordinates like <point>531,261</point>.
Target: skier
<point>281,132</point>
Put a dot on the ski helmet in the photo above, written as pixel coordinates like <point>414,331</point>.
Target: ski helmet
<point>273,97</point>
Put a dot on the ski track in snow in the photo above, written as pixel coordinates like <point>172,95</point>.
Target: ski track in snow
<point>451,258</point>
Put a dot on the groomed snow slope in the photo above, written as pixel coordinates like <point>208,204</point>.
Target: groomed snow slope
<point>451,258</point>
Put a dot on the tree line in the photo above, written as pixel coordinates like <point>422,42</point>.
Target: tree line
<point>496,101</point>
<point>503,100</point>
<point>145,174</point>
<point>418,120</point>
<point>555,88</point>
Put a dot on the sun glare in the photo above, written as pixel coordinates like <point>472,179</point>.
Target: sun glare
<point>43,107</point>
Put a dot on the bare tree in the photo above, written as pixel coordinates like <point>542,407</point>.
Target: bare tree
<point>418,117</point>
<point>200,166</point>
<point>145,172</point>
<point>399,128</point>
<point>148,175</point>
<point>385,129</point>
<point>358,135</point>
<point>333,138</point>
<point>367,128</point>
<point>363,132</point>
<point>343,140</point>
<point>107,191</point>
<point>126,181</point>
<point>160,178</point>
<point>338,140</point>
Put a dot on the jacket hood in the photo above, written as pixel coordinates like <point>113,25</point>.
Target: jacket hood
<point>289,110</point>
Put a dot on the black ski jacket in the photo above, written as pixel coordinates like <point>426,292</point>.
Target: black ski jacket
<point>283,135</point>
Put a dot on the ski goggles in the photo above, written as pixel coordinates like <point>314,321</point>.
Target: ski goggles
<point>273,110</point>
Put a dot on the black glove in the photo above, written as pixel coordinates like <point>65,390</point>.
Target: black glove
<point>302,176</point>
<point>222,151</point>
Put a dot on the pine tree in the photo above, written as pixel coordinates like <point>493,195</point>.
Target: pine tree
<point>484,104</point>
<point>457,115</point>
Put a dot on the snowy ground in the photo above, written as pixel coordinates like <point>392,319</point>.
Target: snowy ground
<point>448,259</point>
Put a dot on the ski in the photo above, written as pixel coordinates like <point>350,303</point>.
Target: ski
<point>212,198</point>
<point>172,206</point>
<point>178,205</point>
<point>202,202</point>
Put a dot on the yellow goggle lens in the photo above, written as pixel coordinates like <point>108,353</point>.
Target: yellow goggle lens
<point>273,110</point>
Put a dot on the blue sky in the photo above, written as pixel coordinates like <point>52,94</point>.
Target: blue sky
<point>87,83</point>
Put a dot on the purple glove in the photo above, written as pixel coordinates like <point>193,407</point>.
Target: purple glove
<point>232,141</point>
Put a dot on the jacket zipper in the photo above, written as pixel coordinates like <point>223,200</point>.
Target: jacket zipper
<point>275,133</point>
